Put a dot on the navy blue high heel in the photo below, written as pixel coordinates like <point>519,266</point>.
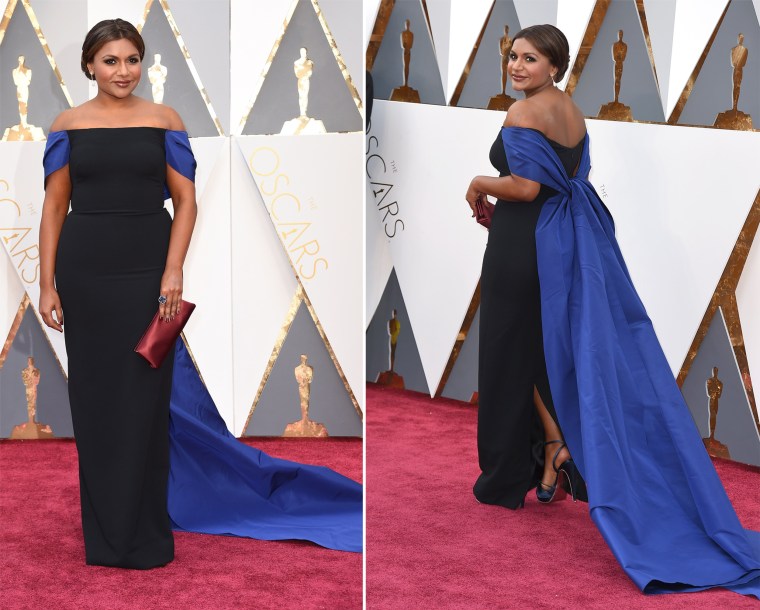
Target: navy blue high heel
<point>547,493</point>
<point>573,483</point>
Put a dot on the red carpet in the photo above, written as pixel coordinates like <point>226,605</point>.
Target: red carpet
<point>42,555</point>
<point>431,545</point>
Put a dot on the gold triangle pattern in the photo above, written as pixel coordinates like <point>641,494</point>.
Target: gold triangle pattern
<point>8,13</point>
<point>299,297</point>
<point>468,66</point>
<point>186,54</point>
<point>14,328</point>
<point>724,297</point>
<point>461,336</point>
<point>276,47</point>
<point>26,302</point>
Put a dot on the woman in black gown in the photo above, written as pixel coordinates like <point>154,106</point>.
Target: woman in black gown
<point>519,442</point>
<point>105,264</point>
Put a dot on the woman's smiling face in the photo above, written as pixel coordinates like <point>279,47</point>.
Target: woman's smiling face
<point>528,68</point>
<point>117,68</point>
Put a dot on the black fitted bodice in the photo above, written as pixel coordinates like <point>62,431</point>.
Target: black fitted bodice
<point>117,170</point>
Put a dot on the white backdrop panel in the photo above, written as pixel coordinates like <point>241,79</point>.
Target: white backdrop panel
<point>661,18</point>
<point>572,19</point>
<point>20,213</point>
<point>208,277</point>
<point>369,12</point>
<point>439,12</point>
<point>64,31</point>
<point>312,186</point>
<point>378,261</point>
<point>694,24</point>
<point>253,33</point>
<point>341,17</point>
<point>748,300</point>
<point>434,152</point>
<point>467,19</point>
<point>676,228</point>
<point>130,10</point>
<point>530,12</point>
<point>263,285</point>
<point>11,295</point>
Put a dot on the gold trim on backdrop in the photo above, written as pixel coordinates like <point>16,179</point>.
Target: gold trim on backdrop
<point>295,303</point>
<point>339,58</point>
<point>10,7</point>
<point>192,357</point>
<point>49,342</point>
<point>461,336</point>
<point>25,302</point>
<point>6,18</point>
<point>725,298</point>
<point>330,351</point>
<point>678,108</point>
<point>468,66</point>
<point>592,30</point>
<point>267,65</point>
<point>186,54</point>
<point>378,31</point>
<point>645,29</point>
<point>276,47</point>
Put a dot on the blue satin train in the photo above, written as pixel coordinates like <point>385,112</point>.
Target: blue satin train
<point>653,491</point>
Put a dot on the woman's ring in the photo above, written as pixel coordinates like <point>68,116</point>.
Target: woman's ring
<point>162,299</point>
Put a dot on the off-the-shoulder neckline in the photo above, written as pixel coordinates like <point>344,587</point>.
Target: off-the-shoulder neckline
<point>548,139</point>
<point>110,128</point>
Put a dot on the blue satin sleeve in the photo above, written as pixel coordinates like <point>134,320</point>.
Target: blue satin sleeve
<point>57,151</point>
<point>179,155</point>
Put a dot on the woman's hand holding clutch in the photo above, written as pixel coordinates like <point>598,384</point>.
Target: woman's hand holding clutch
<point>170,298</point>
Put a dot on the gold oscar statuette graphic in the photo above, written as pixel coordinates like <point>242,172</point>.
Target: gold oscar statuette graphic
<point>303,124</point>
<point>305,427</point>
<point>157,77</point>
<point>714,388</point>
<point>615,110</point>
<point>405,93</point>
<point>390,378</point>
<point>22,78</point>
<point>31,429</point>
<point>735,118</point>
<point>502,101</point>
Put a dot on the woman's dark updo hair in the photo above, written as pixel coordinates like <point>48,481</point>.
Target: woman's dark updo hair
<point>551,42</point>
<point>106,31</point>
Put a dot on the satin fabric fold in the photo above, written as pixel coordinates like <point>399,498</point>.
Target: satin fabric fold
<point>653,491</point>
<point>218,485</point>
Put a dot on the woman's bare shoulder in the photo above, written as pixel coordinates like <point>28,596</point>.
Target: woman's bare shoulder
<point>69,119</point>
<point>524,114</point>
<point>166,116</point>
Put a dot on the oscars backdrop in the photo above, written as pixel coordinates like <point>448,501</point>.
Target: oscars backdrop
<point>671,92</point>
<point>269,93</point>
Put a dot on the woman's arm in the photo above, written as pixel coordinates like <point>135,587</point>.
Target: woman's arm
<point>182,191</point>
<point>508,188</point>
<point>54,209</point>
<point>185,211</point>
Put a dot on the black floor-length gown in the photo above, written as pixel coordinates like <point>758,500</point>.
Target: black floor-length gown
<point>154,453</point>
<point>511,353</point>
<point>111,256</point>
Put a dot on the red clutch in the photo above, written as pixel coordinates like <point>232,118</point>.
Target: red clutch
<point>484,211</point>
<point>160,335</point>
